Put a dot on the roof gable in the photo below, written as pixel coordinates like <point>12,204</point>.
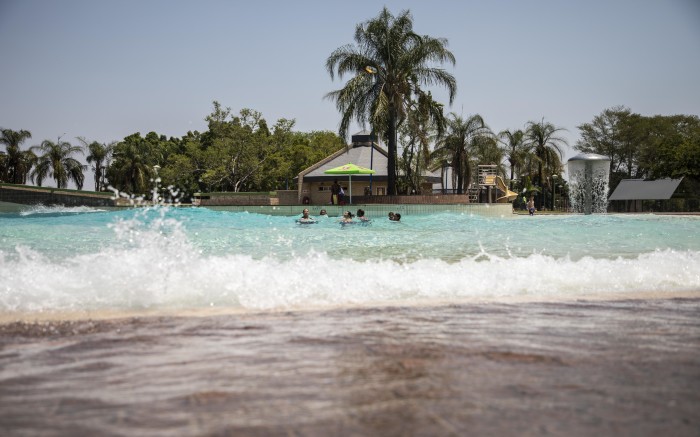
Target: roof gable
<point>362,156</point>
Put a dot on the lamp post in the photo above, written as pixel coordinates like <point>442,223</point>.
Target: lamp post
<point>371,70</point>
<point>554,192</point>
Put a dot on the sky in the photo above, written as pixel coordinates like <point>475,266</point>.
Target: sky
<point>105,69</point>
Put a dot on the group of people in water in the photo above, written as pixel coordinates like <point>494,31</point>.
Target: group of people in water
<point>347,217</point>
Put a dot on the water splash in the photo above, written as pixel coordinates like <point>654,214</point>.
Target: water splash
<point>589,183</point>
<point>168,196</point>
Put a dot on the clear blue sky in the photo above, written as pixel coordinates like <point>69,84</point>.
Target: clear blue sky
<point>106,69</point>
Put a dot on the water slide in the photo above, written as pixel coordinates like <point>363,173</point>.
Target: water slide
<point>508,196</point>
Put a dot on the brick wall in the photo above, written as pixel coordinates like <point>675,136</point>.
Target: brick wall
<point>233,199</point>
<point>29,195</point>
<point>428,199</point>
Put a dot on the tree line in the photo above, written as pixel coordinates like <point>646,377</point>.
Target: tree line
<point>642,147</point>
<point>238,152</point>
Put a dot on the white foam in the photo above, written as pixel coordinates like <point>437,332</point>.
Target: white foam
<point>58,209</point>
<point>173,275</point>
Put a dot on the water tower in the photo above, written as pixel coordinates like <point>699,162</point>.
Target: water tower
<point>589,177</point>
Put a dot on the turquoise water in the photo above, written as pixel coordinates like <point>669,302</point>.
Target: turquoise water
<point>88,259</point>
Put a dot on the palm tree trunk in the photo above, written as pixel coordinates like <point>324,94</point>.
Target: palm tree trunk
<point>510,182</point>
<point>460,175</point>
<point>98,174</point>
<point>391,164</point>
<point>541,183</point>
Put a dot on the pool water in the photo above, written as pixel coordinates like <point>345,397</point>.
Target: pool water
<point>83,259</point>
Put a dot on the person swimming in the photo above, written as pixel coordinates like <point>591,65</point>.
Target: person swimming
<point>347,218</point>
<point>305,217</point>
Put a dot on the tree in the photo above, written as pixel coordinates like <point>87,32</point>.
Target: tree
<point>542,138</point>
<point>671,148</point>
<point>643,147</point>
<point>390,64</point>
<point>611,133</point>
<point>132,167</point>
<point>515,150</point>
<point>459,143</point>
<point>424,125</point>
<point>56,161</point>
<point>236,148</point>
<point>98,154</point>
<point>18,163</point>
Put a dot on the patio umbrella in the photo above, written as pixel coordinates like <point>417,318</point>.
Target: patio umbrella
<point>349,169</point>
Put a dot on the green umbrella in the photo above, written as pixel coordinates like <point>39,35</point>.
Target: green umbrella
<point>350,169</point>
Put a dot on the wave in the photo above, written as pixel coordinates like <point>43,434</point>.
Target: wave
<point>172,259</point>
<point>179,277</point>
<point>58,210</point>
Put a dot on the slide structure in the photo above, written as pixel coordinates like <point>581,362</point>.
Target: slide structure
<point>508,196</point>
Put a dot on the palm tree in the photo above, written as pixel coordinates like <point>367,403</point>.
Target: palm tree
<point>541,137</point>
<point>98,154</point>
<point>515,150</point>
<point>457,146</point>
<point>132,167</point>
<point>424,124</point>
<point>18,162</point>
<point>56,161</point>
<point>390,64</point>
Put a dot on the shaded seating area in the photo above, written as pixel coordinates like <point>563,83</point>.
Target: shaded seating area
<point>661,195</point>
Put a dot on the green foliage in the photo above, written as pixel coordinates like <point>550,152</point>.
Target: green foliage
<point>424,124</point>
<point>467,142</point>
<point>236,153</point>
<point>98,155</point>
<point>56,161</point>
<point>541,137</point>
<point>644,147</point>
<point>515,150</point>
<point>16,164</point>
<point>133,167</point>
<point>242,152</point>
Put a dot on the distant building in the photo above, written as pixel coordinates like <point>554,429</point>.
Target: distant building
<point>315,186</point>
<point>661,195</point>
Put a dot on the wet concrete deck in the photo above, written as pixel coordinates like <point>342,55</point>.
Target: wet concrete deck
<point>577,368</point>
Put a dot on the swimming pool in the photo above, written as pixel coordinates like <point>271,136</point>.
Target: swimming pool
<point>83,259</point>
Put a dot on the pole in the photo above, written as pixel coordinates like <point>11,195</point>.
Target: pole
<point>371,159</point>
<point>372,71</point>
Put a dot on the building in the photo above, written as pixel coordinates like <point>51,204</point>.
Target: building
<point>639,195</point>
<point>314,185</point>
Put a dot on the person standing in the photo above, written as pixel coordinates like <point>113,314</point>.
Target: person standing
<point>335,192</point>
<point>531,205</point>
